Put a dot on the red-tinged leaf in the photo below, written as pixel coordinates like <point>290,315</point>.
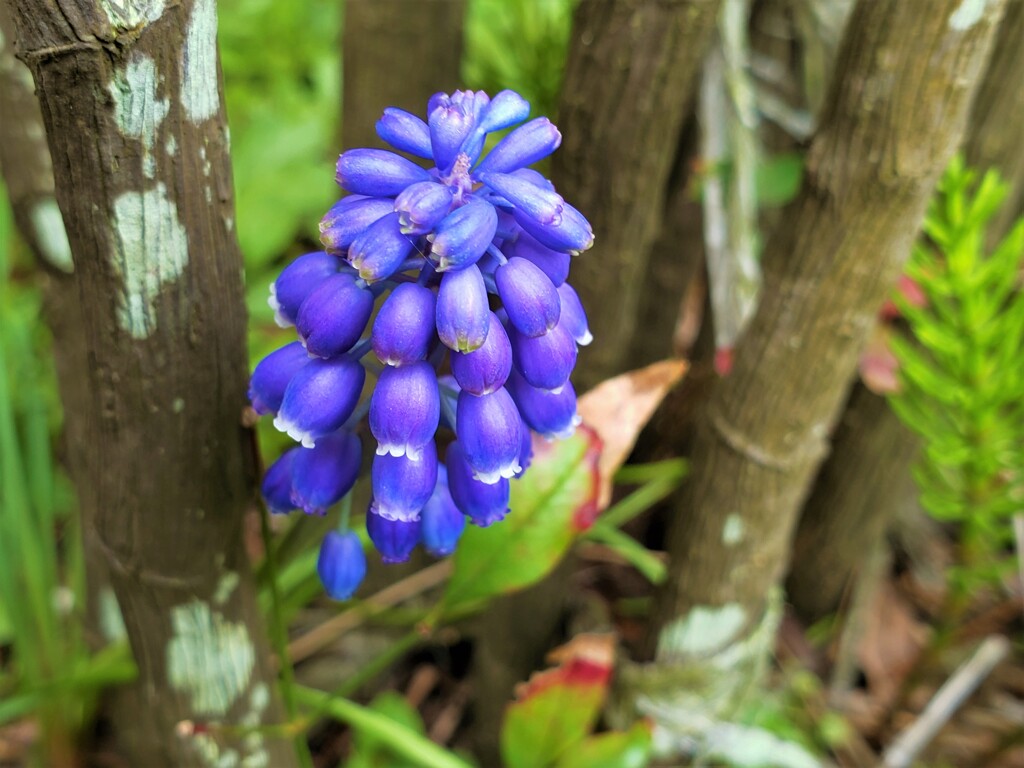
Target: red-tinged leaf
<point>556,709</point>
<point>552,503</point>
<point>878,365</point>
<point>617,409</point>
<point>621,749</point>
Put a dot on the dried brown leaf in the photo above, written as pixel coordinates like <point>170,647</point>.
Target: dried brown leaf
<point>618,408</point>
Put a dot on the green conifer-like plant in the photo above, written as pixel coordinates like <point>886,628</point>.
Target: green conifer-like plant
<point>962,372</point>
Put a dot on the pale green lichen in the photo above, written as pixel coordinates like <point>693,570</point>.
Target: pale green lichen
<point>177,405</point>
<point>199,66</point>
<point>137,110</point>
<point>704,630</point>
<point>732,531</point>
<point>111,620</point>
<point>51,235</point>
<point>209,659</point>
<point>171,146</point>
<point>708,664</point>
<point>150,251</point>
<point>225,585</point>
<point>127,15</point>
<point>967,14</point>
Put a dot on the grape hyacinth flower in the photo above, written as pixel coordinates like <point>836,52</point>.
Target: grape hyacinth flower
<point>467,258</point>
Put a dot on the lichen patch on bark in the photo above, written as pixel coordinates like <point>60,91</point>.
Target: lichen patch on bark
<point>209,659</point>
<point>704,630</point>
<point>137,110</point>
<point>967,14</point>
<point>51,235</point>
<point>150,251</point>
<point>199,64</point>
<point>131,14</point>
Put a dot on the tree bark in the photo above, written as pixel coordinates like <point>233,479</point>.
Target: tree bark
<point>131,100</point>
<point>866,480</point>
<point>629,80</point>
<point>396,53</point>
<point>828,266</point>
<point>857,494</point>
<point>993,136</point>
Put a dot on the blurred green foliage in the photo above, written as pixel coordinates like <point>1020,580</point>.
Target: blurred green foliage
<point>962,374</point>
<point>519,44</point>
<point>49,671</point>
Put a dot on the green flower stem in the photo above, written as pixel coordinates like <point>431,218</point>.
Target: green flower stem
<point>634,474</point>
<point>639,501</point>
<point>279,637</point>
<point>405,742</point>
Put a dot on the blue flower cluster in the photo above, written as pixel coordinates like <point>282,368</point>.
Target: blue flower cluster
<point>470,256</point>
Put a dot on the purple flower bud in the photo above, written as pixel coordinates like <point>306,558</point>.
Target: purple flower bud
<point>405,410</point>
<point>490,432</point>
<point>552,415</point>
<point>380,250</point>
<point>463,313</point>
<point>297,281</point>
<point>404,131</point>
<point>377,172</point>
<point>276,487</point>
<point>394,539</point>
<point>401,486</point>
<point>483,503</point>
<point>524,146</point>
<point>441,522</point>
<point>530,300</point>
<point>320,397</point>
<point>542,207</point>
<point>334,316</point>
<point>536,178</point>
<point>422,206</point>
<point>464,234</point>
<point>404,327</point>
<point>345,221</point>
<point>545,361</point>
<point>272,374</point>
<point>525,451</point>
<point>574,317</point>
<point>572,233</point>
<point>450,125</point>
<point>485,369</point>
<point>555,264</point>
<point>321,476</point>
<point>506,108</point>
<point>342,564</point>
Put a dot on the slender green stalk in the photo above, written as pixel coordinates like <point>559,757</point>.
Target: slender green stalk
<point>637,554</point>
<point>639,501</point>
<point>634,474</point>
<point>403,741</point>
<point>279,638</point>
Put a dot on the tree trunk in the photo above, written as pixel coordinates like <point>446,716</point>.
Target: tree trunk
<point>857,494</point>
<point>866,479</point>
<point>997,114</point>
<point>396,53</point>
<point>828,266</point>
<point>131,100</point>
<point>629,80</point>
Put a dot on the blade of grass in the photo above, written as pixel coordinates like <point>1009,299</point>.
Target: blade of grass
<point>403,741</point>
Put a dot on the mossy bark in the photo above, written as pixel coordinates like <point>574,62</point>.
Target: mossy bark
<point>828,266</point>
<point>131,101</point>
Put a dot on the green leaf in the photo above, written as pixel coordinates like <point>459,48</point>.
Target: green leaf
<point>557,708</point>
<point>629,749</point>
<point>778,179</point>
<point>551,506</point>
<point>370,748</point>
